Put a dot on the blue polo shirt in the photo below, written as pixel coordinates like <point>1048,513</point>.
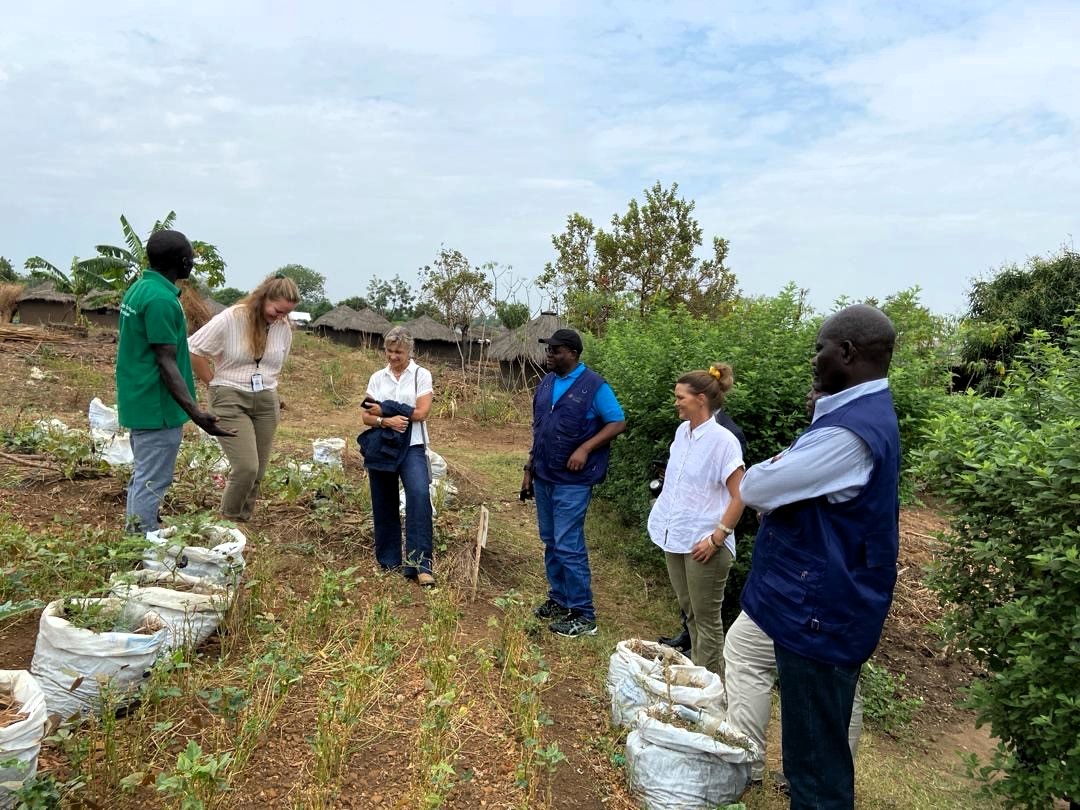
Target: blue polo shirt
<point>604,407</point>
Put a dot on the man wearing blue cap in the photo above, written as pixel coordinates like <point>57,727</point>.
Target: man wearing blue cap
<point>575,418</point>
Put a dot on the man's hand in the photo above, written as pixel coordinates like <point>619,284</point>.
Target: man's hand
<point>209,422</point>
<point>526,493</point>
<point>577,460</point>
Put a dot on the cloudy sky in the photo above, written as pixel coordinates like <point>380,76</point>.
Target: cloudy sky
<point>854,148</point>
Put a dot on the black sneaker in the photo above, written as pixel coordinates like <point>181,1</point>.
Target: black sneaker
<point>551,610</point>
<point>573,625</point>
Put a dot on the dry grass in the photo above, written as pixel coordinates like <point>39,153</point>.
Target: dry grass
<point>9,297</point>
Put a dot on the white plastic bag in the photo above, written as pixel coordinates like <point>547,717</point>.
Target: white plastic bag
<point>103,418</point>
<point>636,656</point>
<point>191,607</point>
<point>681,685</point>
<point>222,563</point>
<point>673,768</point>
<point>111,444</point>
<point>71,664</point>
<point>327,451</point>
<point>21,740</point>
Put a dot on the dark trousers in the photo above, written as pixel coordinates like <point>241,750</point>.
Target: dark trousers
<point>386,514</point>
<point>815,709</point>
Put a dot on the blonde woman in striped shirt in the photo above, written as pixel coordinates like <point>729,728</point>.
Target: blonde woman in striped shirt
<point>247,344</point>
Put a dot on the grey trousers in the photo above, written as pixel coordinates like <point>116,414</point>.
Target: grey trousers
<point>254,416</point>
<point>750,667</point>
<point>699,588</point>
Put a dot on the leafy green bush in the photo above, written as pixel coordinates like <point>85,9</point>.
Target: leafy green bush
<point>884,703</point>
<point>769,343</point>
<point>1009,571</point>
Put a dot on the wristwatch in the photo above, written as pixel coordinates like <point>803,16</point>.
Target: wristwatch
<point>527,468</point>
<point>378,421</point>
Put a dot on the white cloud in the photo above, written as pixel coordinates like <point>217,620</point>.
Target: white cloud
<point>851,148</point>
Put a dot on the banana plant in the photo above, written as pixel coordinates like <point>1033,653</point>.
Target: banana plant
<point>83,277</point>
<point>209,266</point>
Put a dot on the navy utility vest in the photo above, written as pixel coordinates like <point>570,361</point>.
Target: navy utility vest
<point>822,576</point>
<point>559,429</point>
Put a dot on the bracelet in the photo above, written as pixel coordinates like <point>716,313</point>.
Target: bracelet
<point>527,468</point>
<point>713,543</point>
<point>724,529</point>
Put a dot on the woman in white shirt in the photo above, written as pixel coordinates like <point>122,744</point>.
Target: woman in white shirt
<point>694,517</point>
<point>248,344</point>
<point>402,382</point>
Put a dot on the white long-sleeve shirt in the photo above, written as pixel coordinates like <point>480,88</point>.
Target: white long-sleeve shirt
<point>832,461</point>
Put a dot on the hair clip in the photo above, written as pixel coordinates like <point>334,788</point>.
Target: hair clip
<point>279,274</point>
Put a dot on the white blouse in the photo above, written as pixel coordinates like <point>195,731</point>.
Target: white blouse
<point>224,340</point>
<point>695,494</point>
<point>415,381</point>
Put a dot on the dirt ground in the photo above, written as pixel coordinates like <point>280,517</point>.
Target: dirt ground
<point>575,702</point>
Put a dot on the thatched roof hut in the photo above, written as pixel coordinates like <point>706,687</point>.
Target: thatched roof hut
<point>101,307</point>
<point>44,305</point>
<point>520,352</point>
<point>345,325</point>
<point>433,339</point>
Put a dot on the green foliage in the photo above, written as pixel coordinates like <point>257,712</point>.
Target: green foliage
<point>227,296</point>
<point>512,314</point>
<point>197,778</point>
<point>455,288</point>
<point>1007,307</point>
<point>357,302</point>
<point>319,308</point>
<point>392,299</point>
<point>120,266</point>
<point>646,261</point>
<point>884,703</point>
<point>1009,570</point>
<point>310,284</point>
<point>7,272</point>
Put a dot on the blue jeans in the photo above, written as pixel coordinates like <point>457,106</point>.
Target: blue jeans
<point>815,710</point>
<point>386,515</point>
<point>560,516</point>
<point>155,460</point>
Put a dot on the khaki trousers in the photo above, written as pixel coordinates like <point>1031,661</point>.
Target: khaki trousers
<point>699,588</point>
<point>254,416</point>
<point>750,666</point>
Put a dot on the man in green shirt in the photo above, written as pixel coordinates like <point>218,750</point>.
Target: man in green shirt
<point>155,390</point>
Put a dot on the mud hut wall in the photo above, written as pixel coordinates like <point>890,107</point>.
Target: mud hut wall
<point>45,312</point>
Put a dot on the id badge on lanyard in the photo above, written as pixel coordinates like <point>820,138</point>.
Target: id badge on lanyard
<point>256,382</point>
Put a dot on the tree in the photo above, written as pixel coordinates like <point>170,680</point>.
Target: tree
<point>83,277</point>
<point>357,302</point>
<point>227,296</point>
<point>1008,572</point>
<point>393,299</point>
<point>121,266</point>
<point>310,284</point>
<point>455,288</point>
<point>512,314</point>
<point>647,260</point>
<point>1005,309</point>
<point>7,272</point>
<point>319,308</point>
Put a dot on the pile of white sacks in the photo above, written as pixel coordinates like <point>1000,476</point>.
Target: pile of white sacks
<point>177,597</point>
<point>680,753</point>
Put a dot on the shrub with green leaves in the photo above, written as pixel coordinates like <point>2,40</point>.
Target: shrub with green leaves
<point>1009,570</point>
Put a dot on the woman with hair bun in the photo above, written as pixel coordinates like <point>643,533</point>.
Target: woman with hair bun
<point>693,520</point>
<point>248,344</point>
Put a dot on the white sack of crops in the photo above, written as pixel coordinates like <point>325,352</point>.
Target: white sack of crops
<point>327,451</point>
<point>191,607</point>
<point>22,728</point>
<point>73,664</point>
<point>221,561</point>
<point>111,443</point>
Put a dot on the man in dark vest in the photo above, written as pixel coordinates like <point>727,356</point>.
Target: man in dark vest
<point>824,564</point>
<point>575,418</point>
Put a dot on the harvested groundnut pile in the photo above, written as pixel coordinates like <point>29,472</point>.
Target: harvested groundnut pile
<point>10,710</point>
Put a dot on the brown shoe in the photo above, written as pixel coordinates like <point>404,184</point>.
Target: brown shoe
<point>425,580</point>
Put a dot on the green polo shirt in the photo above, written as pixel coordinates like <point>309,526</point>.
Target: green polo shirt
<point>150,313</point>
